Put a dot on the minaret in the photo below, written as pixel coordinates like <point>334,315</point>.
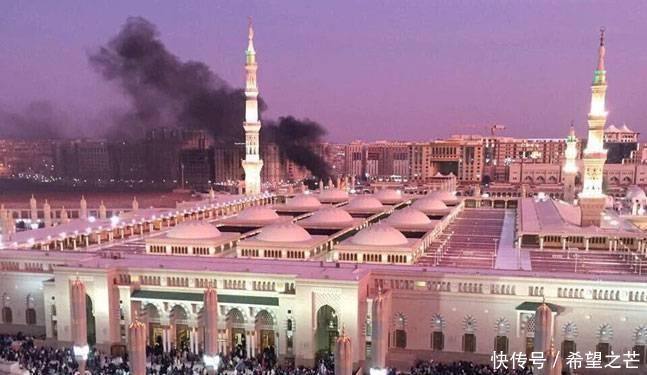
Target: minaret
<point>252,125</point>
<point>592,199</point>
<point>570,166</point>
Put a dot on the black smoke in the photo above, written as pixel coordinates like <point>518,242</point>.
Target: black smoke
<point>165,91</point>
<point>297,140</point>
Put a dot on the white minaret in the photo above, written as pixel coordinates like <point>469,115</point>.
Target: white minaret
<point>592,199</point>
<point>252,125</point>
<point>570,166</point>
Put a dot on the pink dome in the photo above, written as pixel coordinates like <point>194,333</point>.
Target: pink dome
<point>408,216</point>
<point>283,232</point>
<point>257,214</point>
<point>193,231</point>
<point>364,202</point>
<point>379,234</point>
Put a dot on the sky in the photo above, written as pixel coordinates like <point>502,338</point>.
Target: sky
<point>370,70</point>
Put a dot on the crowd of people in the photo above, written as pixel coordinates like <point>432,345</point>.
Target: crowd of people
<point>61,361</point>
<point>462,368</point>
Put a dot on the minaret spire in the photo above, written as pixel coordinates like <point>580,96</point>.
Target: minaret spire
<point>570,166</point>
<point>600,73</point>
<point>250,38</point>
<point>252,125</point>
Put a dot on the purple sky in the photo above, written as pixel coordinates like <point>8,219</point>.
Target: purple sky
<point>368,70</point>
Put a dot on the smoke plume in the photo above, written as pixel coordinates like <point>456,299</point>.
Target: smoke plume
<point>167,92</point>
<point>297,140</point>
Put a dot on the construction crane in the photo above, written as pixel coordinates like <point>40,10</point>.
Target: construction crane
<point>493,128</point>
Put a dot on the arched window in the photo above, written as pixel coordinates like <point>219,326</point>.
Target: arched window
<point>400,333</point>
<point>437,336</point>
<point>7,315</point>
<point>30,316</point>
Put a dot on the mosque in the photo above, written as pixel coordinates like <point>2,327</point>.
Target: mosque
<point>406,276</point>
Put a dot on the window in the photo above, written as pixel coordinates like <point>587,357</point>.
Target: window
<point>568,346</point>
<point>469,343</point>
<point>640,349</point>
<point>437,341</point>
<point>30,316</point>
<point>7,316</point>
<point>400,338</point>
<point>604,349</point>
<point>501,344</point>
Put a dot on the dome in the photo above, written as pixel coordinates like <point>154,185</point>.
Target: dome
<point>379,234</point>
<point>330,215</point>
<point>303,201</point>
<point>634,193</point>
<point>364,202</point>
<point>408,216</point>
<point>445,196</point>
<point>283,232</point>
<point>193,231</point>
<point>257,213</point>
<point>333,195</point>
<point>429,204</point>
<point>388,195</point>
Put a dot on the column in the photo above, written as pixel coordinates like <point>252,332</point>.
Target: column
<point>586,244</point>
<point>563,243</point>
<point>248,344</point>
<point>543,329</point>
<point>541,243</point>
<point>191,340</point>
<point>137,348</point>
<point>380,314</point>
<point>211,321</point>
<point>79,324</point>
<point>343,355</point>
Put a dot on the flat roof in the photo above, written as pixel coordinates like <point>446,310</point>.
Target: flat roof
<point>558,217</point>
<point>286,268</point>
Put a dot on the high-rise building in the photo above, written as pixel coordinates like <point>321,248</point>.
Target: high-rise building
<point>84,159</point>
<point>252,125</point>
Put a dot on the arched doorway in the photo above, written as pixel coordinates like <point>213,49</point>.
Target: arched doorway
<point>327,329</point>
<point>151,316</point>
<point>265,330</point>
<point>180,319</point>
<point>235,326</point>
<point>90,321</point>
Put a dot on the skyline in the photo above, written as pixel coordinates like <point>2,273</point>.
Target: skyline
<point>427,76</point>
